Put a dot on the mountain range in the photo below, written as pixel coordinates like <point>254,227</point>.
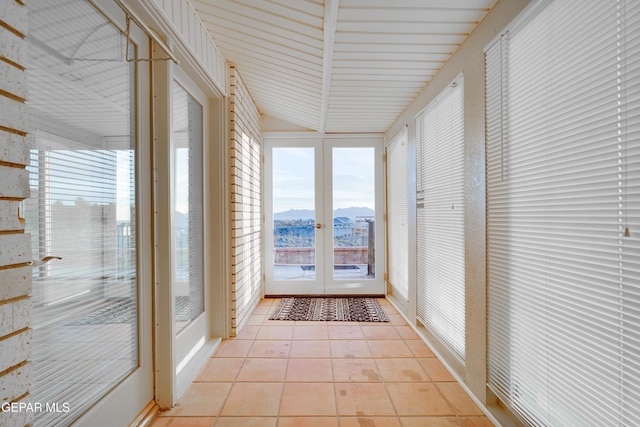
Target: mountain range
<point>303,214</point>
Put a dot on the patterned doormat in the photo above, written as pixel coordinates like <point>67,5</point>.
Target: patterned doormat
<point>338,309</point>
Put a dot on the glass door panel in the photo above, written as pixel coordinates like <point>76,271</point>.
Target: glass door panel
<point>354,219</point>
<point>190,314</point>
<point>91,295</point>
<point>187,227</point>
<point>294,216</point>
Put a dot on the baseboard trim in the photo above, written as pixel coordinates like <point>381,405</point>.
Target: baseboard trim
<point>147,416</point>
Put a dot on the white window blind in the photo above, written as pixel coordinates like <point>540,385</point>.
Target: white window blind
<point>440,228</point>
<point>563,171</point>
<point>397,215</point>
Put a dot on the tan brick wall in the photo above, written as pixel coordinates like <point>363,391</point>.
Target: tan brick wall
<point>246,202</point>
<point>15,244</point>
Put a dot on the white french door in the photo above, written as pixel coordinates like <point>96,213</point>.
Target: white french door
<point>91,314</point>
<point>323,216</point>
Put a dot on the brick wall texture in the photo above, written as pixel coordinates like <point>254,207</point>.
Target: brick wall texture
<point>15,244</point>
<point>246,202</point>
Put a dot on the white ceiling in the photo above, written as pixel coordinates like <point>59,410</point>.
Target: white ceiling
<point>339,65</point>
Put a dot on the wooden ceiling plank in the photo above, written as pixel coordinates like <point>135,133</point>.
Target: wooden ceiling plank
<point>302,67</point>
<point>394,48</point>
<point>382,72</point>
<point>252,16</point>
<point>415,4</point>
<point>410,28</point>
<point>308,14</point>
<point>390,56</point>
<point>251,36</point>
<point>222,28</point>
<point>376,38</point>
<point>311,7</point>
<point>331,8</point>
<point>410,15</point>
<point>387,65</point>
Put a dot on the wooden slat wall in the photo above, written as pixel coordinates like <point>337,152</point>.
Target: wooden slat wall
<point>15,244</point>
<point>246,202</point>
<point>189,26</point>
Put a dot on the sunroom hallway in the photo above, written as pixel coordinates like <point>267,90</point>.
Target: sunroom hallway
<point>317,374</point>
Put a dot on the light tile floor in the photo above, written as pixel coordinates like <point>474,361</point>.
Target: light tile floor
<point>317,374</point>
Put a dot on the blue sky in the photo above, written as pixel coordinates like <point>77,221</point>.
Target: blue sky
<point>293,178</point>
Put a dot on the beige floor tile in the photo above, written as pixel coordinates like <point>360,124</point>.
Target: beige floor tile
<point>201,400</point>
<point>308,422</point>
<point>380,332</point>
<point>389,348</point>
<point>233,348</point>
<point>256,319</point>
<point>431,422</point>
<point>350,349</point>
<point>314,349</point>
<point>458,399</point>
<point>269,322</point>
<point>310,332</point>
<point>253,399</point>
<point>262,309</point>
<point>355,370</point>
<point>248,332</point>
<point>418,399</point>
<point>363,399</point>
<point>247,422</point>
<point>309,370</point>
<point>184,422</point>
<point>268,332</point>
<point>436,370</point>
<point>314,322</point>
<point>419,348</point>
<point>345,332</point>
<point>407,333</point>
<point>220,369</point>
<point>477,422</point>
<point>308,399</point>
<point>369,422</point>
<point>309,356</point>
<point>270,349</point>
<point>401,370</point>
<point>396,319</point>
<point>263,370</point>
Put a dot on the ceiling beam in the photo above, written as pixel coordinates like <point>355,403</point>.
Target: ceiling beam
<point>330,24</point>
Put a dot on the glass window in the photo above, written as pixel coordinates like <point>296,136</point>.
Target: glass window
<point>186,140</point>
<point>82,209</point>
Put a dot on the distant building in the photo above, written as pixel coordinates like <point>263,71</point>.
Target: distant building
<point>342,226</point>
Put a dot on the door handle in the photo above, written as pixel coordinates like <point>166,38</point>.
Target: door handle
<point>318,225</point>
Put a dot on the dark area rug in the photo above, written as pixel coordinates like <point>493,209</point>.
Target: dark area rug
<point>338,309</point>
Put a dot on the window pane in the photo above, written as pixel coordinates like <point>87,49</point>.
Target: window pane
<point>353,213</point>
<point>294,215</point>
<point>186,139</point>
<point>82,208</point>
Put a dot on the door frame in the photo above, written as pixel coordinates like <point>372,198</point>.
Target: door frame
<point>179,357</point>
<point>325,283</point>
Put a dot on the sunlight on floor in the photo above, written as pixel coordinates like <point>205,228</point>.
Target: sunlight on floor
<point>317,374</point>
